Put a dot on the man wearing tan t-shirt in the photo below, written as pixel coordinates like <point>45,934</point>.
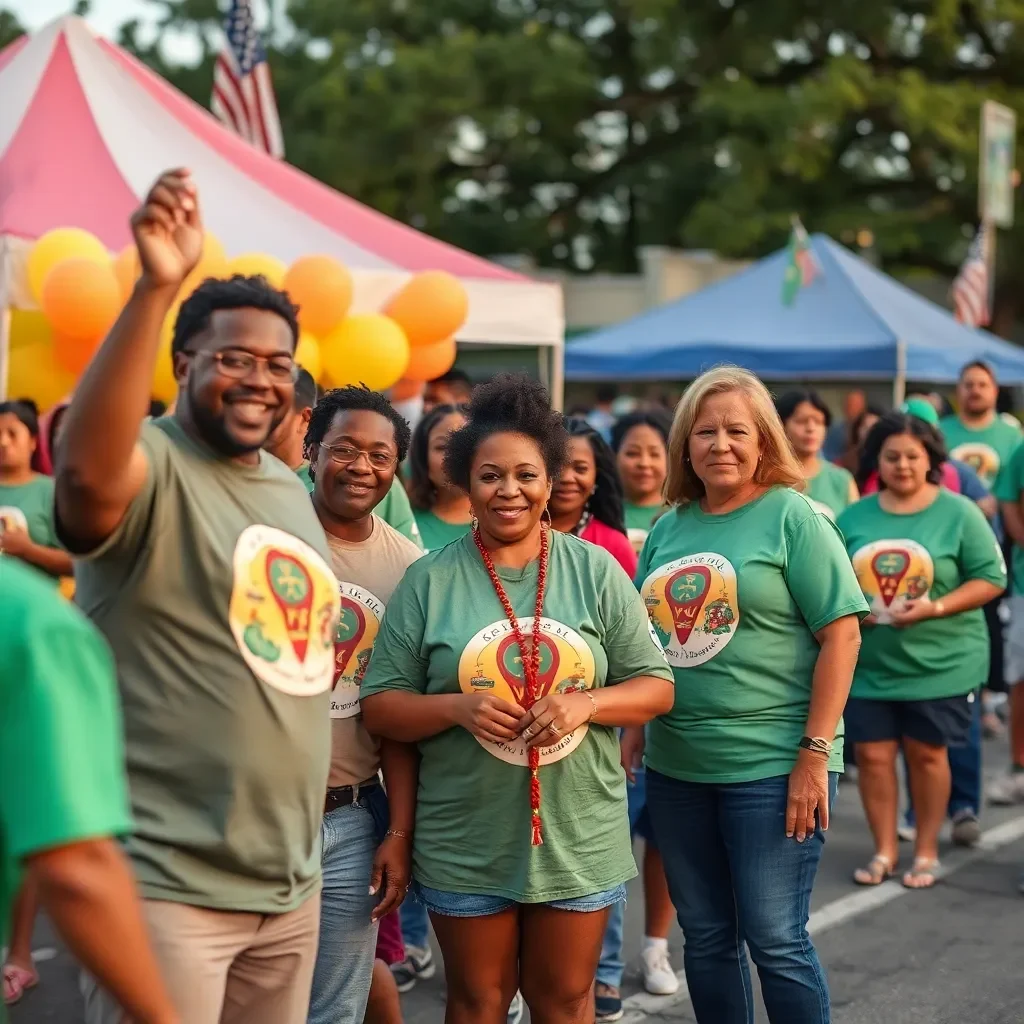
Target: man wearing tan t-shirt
<point>354,445</point>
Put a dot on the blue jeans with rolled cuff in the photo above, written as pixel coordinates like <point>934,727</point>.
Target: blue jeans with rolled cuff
<point>736,878</point>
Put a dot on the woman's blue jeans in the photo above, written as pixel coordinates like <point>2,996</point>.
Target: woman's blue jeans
<point>735,878</point>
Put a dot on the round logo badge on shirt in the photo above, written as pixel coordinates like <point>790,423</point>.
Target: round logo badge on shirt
<point>12,518</point>
<point>358,624</point>
<point>283,611</point>
<point>891,573</point>
<point>693,607</point>
<point>492,663</point>
<point>980,457</point>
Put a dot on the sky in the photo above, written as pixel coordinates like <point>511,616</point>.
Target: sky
<point>105,17</point>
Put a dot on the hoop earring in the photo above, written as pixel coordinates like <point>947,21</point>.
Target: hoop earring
<point>545,516</point>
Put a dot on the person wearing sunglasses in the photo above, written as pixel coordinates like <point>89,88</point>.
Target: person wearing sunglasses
<point>204,565</point>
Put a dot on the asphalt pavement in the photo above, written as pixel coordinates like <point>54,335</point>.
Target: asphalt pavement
<point>952,955</point>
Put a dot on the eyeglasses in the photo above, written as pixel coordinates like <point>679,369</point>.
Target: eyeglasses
<point>239,365</point>
<point>345,455</point>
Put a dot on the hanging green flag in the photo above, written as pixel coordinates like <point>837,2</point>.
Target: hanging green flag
<point>801,266</point>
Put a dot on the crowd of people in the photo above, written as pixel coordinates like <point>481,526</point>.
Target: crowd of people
<point>329,680</point>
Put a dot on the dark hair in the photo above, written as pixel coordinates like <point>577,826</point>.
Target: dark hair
<point>237,292</point>
<point>156,408</point>
<point>980,364</point>
<point>508,403</point>
<point>787,404</point>
<point>605,504</point>
<point>607,393</point>
<point>890,425</point>
<point>454,377</point>
<point>354,398</point>
<point>854,428</point>
<point>421,491</point>
<point>306,391</point>
<point>25,411</point>
<point>657,419</point>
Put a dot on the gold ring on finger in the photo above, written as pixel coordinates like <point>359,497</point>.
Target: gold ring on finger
<point>554,728</point>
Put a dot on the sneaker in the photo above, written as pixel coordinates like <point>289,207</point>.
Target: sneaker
<point>515,1009</point>
<point>907,833</point>
<point>659,978</point>
<point>418,965</point>
<point>966,828</point>
<point>607,1004</point>
<point>1007,790</point>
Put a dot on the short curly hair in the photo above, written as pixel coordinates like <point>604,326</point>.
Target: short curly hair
<point>354,398</point>
<point>890,425</point>
<point>236,292</point>
<point>510,403</point>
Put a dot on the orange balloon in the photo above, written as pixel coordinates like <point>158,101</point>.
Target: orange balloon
<point>322,289</point>
<point>74,354</point>
<point>127,269</point>
<point>307,354</point>
<point>212,263</point>
<point>406,390</point>
<point>427,362</point>
<point>165,387</point>
<point>430,308</point>
<point>81,299</point>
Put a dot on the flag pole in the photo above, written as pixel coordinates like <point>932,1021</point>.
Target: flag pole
<point>989,242</point>
<point>899,384</point>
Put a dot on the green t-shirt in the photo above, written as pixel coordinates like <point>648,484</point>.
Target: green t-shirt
<point>639,520</point>
<point>216,596</point>
<point>1010,487</point>
<point>831,486</point>
<point>905,557</point>
<point>444,631</point>
<point>434,532</point>
<point>30,507</point>
<point>987,451</point>
<point>303,474</point>
<point>736,600</point>
<point>396,511</point>
<point>61,757</point>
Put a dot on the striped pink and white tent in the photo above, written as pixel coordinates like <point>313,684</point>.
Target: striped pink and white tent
<point>85,129</point>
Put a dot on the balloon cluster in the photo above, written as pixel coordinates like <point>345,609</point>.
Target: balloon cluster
<point>80,291</point>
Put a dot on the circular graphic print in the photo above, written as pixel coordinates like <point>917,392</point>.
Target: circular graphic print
<point>358,624</point>
<point>693,607</point>
<point>284,611</point>
<point>981,458</point>
<point>492,663</point>
<point>892,572</point>
<point>12,518</point>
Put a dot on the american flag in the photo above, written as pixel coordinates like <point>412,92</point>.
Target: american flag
<point>243,95</point>
<point>970,287</point>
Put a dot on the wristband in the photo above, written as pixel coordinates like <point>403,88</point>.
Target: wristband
<point>816,744</point>
<point>593,705</point>
<point>397,833</point>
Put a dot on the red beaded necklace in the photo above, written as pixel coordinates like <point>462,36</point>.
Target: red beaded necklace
<point>531,661</point>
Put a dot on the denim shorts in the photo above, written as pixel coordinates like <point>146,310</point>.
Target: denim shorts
<point>467,904</point>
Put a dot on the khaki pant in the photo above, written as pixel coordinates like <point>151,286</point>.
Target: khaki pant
<point>226,967</point>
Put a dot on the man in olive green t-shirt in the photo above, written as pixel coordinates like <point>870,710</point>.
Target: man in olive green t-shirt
<point>202,562</point>
<point>62,793</point>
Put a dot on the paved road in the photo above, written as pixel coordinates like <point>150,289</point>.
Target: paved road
<point>949,956</point>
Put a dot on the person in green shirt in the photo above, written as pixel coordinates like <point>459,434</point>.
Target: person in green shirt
<point>26,497</point>
<point>751,592</point>
<point>977,434</point>
<point>927,562</point>
<point>806,419</point>
<point>203,563</point>
<point>441,509</point>
<point>62,795</point>
<point>288,440</point>
<point>640,443</point>
<point>509,860</point>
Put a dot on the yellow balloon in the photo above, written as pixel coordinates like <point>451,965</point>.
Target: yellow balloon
<point>212,263</point>
<point>307,354</point>
<point>165,387</point>
<point>28,326</point>
<point>35,373</point>
<point>368,349</point>
<point>59,245</point>
<point>259,263</point>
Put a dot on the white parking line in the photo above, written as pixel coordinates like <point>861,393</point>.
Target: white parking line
<point>642,1005</point>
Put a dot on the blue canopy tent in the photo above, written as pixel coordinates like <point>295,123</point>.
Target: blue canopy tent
<point>851,322</point>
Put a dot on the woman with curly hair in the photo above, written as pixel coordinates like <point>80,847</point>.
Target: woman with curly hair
<point>515,714</point>
<point>586,499</point>
<point>441,509</point>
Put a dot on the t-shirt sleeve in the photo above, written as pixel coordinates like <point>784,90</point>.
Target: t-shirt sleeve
<point>397,661</point>
<point>60,737</point>
<point>630,643</point>
<point>819,574</point>
<point>980,556</point>
<point>1008,483</point>
<point>970,483</point>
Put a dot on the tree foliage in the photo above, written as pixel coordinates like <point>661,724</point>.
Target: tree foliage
<point>578,130</point>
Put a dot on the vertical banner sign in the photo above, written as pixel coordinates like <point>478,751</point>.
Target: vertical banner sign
<point>996,177</point>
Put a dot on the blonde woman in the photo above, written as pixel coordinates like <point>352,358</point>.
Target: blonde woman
<point>752,594</point>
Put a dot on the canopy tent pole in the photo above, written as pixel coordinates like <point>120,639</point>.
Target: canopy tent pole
<point>556,387</point>
<point>899,384</point>
<point>5,318</point>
